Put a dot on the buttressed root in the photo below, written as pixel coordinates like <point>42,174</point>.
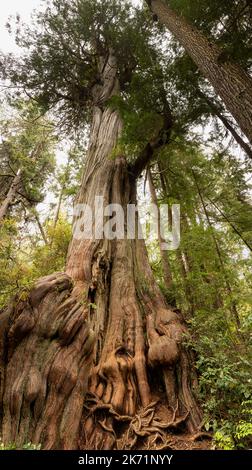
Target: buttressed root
<point>46,352</point>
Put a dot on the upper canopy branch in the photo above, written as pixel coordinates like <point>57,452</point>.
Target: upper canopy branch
<point>159,141</point>
<point>66,49</point>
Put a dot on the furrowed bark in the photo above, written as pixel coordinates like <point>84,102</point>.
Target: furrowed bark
<point>105,321</point>
<point>230,81</point>
<point>135,329</point>
<point>46,350</point>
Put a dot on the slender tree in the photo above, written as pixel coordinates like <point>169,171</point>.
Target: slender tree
<point>164,258</point>
<point>27,158</point>
<point>216,111</point>
<point>11,195</point>
<point>218,251</point>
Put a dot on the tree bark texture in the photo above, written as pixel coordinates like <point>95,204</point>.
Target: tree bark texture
<point>230,81</point>
<point>104,322</point>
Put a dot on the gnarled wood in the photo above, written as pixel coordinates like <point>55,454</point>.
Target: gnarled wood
<point>114,323</point>
<point>46,350</point>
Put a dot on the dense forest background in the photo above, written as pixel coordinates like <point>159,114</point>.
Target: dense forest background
<point>184,144</point>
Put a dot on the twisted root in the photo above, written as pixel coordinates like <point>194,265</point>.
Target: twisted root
<point>145,424</point>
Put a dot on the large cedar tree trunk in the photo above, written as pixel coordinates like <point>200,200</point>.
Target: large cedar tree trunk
<point>229,80</point>
<point>104,318</point>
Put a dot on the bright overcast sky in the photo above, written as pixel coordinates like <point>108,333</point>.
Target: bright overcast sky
<point>24,8</point>
<point>11,7</point>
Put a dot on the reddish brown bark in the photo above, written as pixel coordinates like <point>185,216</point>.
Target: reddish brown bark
<point>114,322</point>
<point>46,351</point>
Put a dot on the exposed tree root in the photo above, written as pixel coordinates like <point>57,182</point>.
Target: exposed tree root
<point>146,424</point>
<point>145,430</point>
<point>113,328</point>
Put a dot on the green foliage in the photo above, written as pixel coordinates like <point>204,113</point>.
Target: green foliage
<point>223,442</point>
<point>92,306</point>
<point>15,273</point>
<point>141,110</point>
<point>208,284</point>
<point>51,257</point>
<point>236,435</point>
<point>24,260</point>
<point>27,146</point>
<point>13,446</point>
<point>60,65</point>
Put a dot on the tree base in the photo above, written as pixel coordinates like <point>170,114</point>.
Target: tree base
<point>46,354</point>
<point>112,327</point>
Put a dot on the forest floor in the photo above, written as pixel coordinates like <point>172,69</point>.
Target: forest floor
<point>187,442</point>
<point>182,441</point>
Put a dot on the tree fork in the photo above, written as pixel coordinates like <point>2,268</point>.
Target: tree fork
<point>106,319</point>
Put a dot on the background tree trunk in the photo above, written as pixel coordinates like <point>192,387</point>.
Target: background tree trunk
<point>10,197</point>
<point>229,80</point>
<point>40,226</point>
<point>164,256</point>
<point>233,306</point>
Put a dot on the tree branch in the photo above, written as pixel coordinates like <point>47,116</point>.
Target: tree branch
<point>29,199</point>
<point>214,109</point>
<point>7,175</point>
<point>225,217</point>
<point>163,138</point>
